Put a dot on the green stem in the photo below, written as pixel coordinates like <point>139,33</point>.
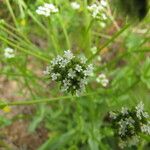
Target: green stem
<point>33,102</point>
<point>65,32</point>
<point>24,50</point>
<point>38,22</point>
<point>30,45</point>
<point>53,37</point>
<point>11,12</point>
<point>18,32</point>
<point>109,41</point>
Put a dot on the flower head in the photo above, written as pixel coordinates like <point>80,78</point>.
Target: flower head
<point>75,5</point>
<point>98,10</point>
<point>47,9</point>
<point>129,123</point>
<point>70,71</point>
<point>9,52</point>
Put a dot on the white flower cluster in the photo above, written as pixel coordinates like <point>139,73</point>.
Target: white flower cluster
<point>102,79</point>
<point>98,11</point>
<point>9,52</point>
<point>75,5</point>
<point>47,9</point>
<point>128,124</point>
<point>72,72</point>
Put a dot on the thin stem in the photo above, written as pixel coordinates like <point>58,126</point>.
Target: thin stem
<point>24,50</point>
<point>33,102</point>
<point>112,17</point>
<point>38,22</point>
<point>109,41</point>
<point>11,12</point>
<point>53,37</point>
<point>44,29</point>
<point>18,32</point>
<point>65,32</point>
<point>30,45</point>
<point>20,75</point>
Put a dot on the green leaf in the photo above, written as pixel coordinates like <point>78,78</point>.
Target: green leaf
<point>93,144</point>
<point>4,122</point>
<point>58,142</point>
<point>37,118</point>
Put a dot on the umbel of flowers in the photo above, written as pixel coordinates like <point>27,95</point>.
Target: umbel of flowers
<point>97,10</point>
<point>47,9</point>
<point>72,72</point>
<point>129,124</point>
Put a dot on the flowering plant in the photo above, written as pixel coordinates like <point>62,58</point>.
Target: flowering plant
<point>128,124</point>
<point>72,72</point>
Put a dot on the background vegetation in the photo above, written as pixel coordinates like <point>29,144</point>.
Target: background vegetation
<point>59,121</point>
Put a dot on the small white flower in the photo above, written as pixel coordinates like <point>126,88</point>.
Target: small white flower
<point>78,68</point>
<point>140,110</point>
<point>103,3</point>
<point>68,54</point>
<point>83,82</point>
<point>54,62</point>
<point>52,8</point>
<point>112,115</point>
<point>129,121</point>
<point>102,76</point>
<point>63,63</point>
<point>9,52</point>
<point>89,70</point>
<point>59,59</point>
<point>92,7</point>
<point>124,110</point>
<point>66,84</point>
<point>102,80</point>
<point>71,73</point>
<point>145,114</point>
<point>140,107</point>
<point>75,5</point>
<point>145,128</point>
<point>54,76</point>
